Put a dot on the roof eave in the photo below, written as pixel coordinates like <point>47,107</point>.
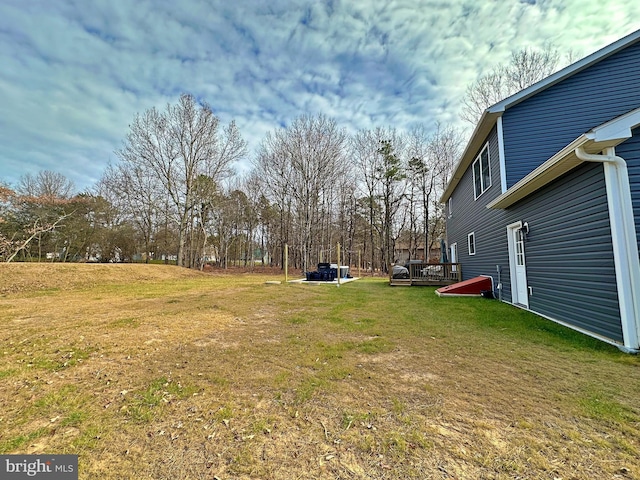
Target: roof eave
<point>609,134</point>
<point>489,117</point>
<point>566,72</point>
<point>478,138</point>
<point>553,168</point>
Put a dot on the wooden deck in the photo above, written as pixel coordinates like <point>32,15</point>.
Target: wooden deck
<point>430,274</point>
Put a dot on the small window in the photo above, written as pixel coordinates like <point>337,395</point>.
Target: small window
<point>450,207</point>
<point>471,238</point>
<point>481,172</point>
<point>519,248</point>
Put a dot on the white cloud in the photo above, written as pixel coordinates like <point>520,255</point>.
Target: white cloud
<point>75,74</point>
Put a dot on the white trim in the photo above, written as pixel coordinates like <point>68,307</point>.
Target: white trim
<point>524,302</point>
<point>478,138</point>
<point>454,258</point>
<point>609,134</point>
<point>558,165</point>
<point>478,160</point>
<point>566,72</point>
<point>512,261</point>
<point>576,328</point>
<point>617,129</point>
<point>469,244</point>
<point>503,162</point>
<point>473,174</point>
<point>490,115</point>
<point>624,240</point>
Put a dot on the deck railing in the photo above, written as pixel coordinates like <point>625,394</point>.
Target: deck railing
<point>434,273</point>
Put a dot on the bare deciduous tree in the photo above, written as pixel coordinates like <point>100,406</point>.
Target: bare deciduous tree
<point>444,149</point>
<point>36,209</point>
<point>46,184</point>
<point>25,218</point>
<point>301,164</point>
<point>377,157</point>
<point>177,147</point>
<point>136,194</point>
<point>364,152</point>
<point>526,67</point>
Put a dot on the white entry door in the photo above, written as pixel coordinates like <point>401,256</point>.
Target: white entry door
<point>518,265</point>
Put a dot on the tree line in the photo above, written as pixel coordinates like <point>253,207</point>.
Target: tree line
<point>172,194</point>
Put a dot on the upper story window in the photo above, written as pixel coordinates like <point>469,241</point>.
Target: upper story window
<point>481,172</point>
<point>450,209</point>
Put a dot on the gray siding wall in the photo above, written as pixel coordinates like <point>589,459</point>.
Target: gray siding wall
<point>630,151</point>
<point>471,215</point>
<point>569,254</point>
<point>537,128</point>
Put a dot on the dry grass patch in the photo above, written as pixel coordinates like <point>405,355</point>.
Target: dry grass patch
<point>159,372</point>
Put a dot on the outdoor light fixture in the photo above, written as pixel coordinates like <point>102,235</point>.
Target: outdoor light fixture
<point>525,228</point>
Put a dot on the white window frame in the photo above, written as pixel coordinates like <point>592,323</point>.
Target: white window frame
<point>450,203</point>
<point>453,252</point>
<point>478,161</point>
<point>471,243</point>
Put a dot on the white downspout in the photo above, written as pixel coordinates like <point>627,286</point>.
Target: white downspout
<point>625,246</point>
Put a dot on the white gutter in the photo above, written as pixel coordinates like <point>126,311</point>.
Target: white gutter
<point>559,164</point>
<point>625,246</point>
<point>609,134</point>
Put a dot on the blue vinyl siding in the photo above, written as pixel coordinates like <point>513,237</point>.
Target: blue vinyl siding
<point>630,151</point>
<point>537,128</point>
<point>569,252</point>
<point>471,215</point>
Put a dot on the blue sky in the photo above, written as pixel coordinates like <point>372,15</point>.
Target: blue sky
<point>73,73</point>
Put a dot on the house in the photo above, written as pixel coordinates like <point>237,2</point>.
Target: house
<point>546,197</point>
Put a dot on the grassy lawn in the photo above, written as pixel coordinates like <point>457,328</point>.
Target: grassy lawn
<point>159,372</point>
